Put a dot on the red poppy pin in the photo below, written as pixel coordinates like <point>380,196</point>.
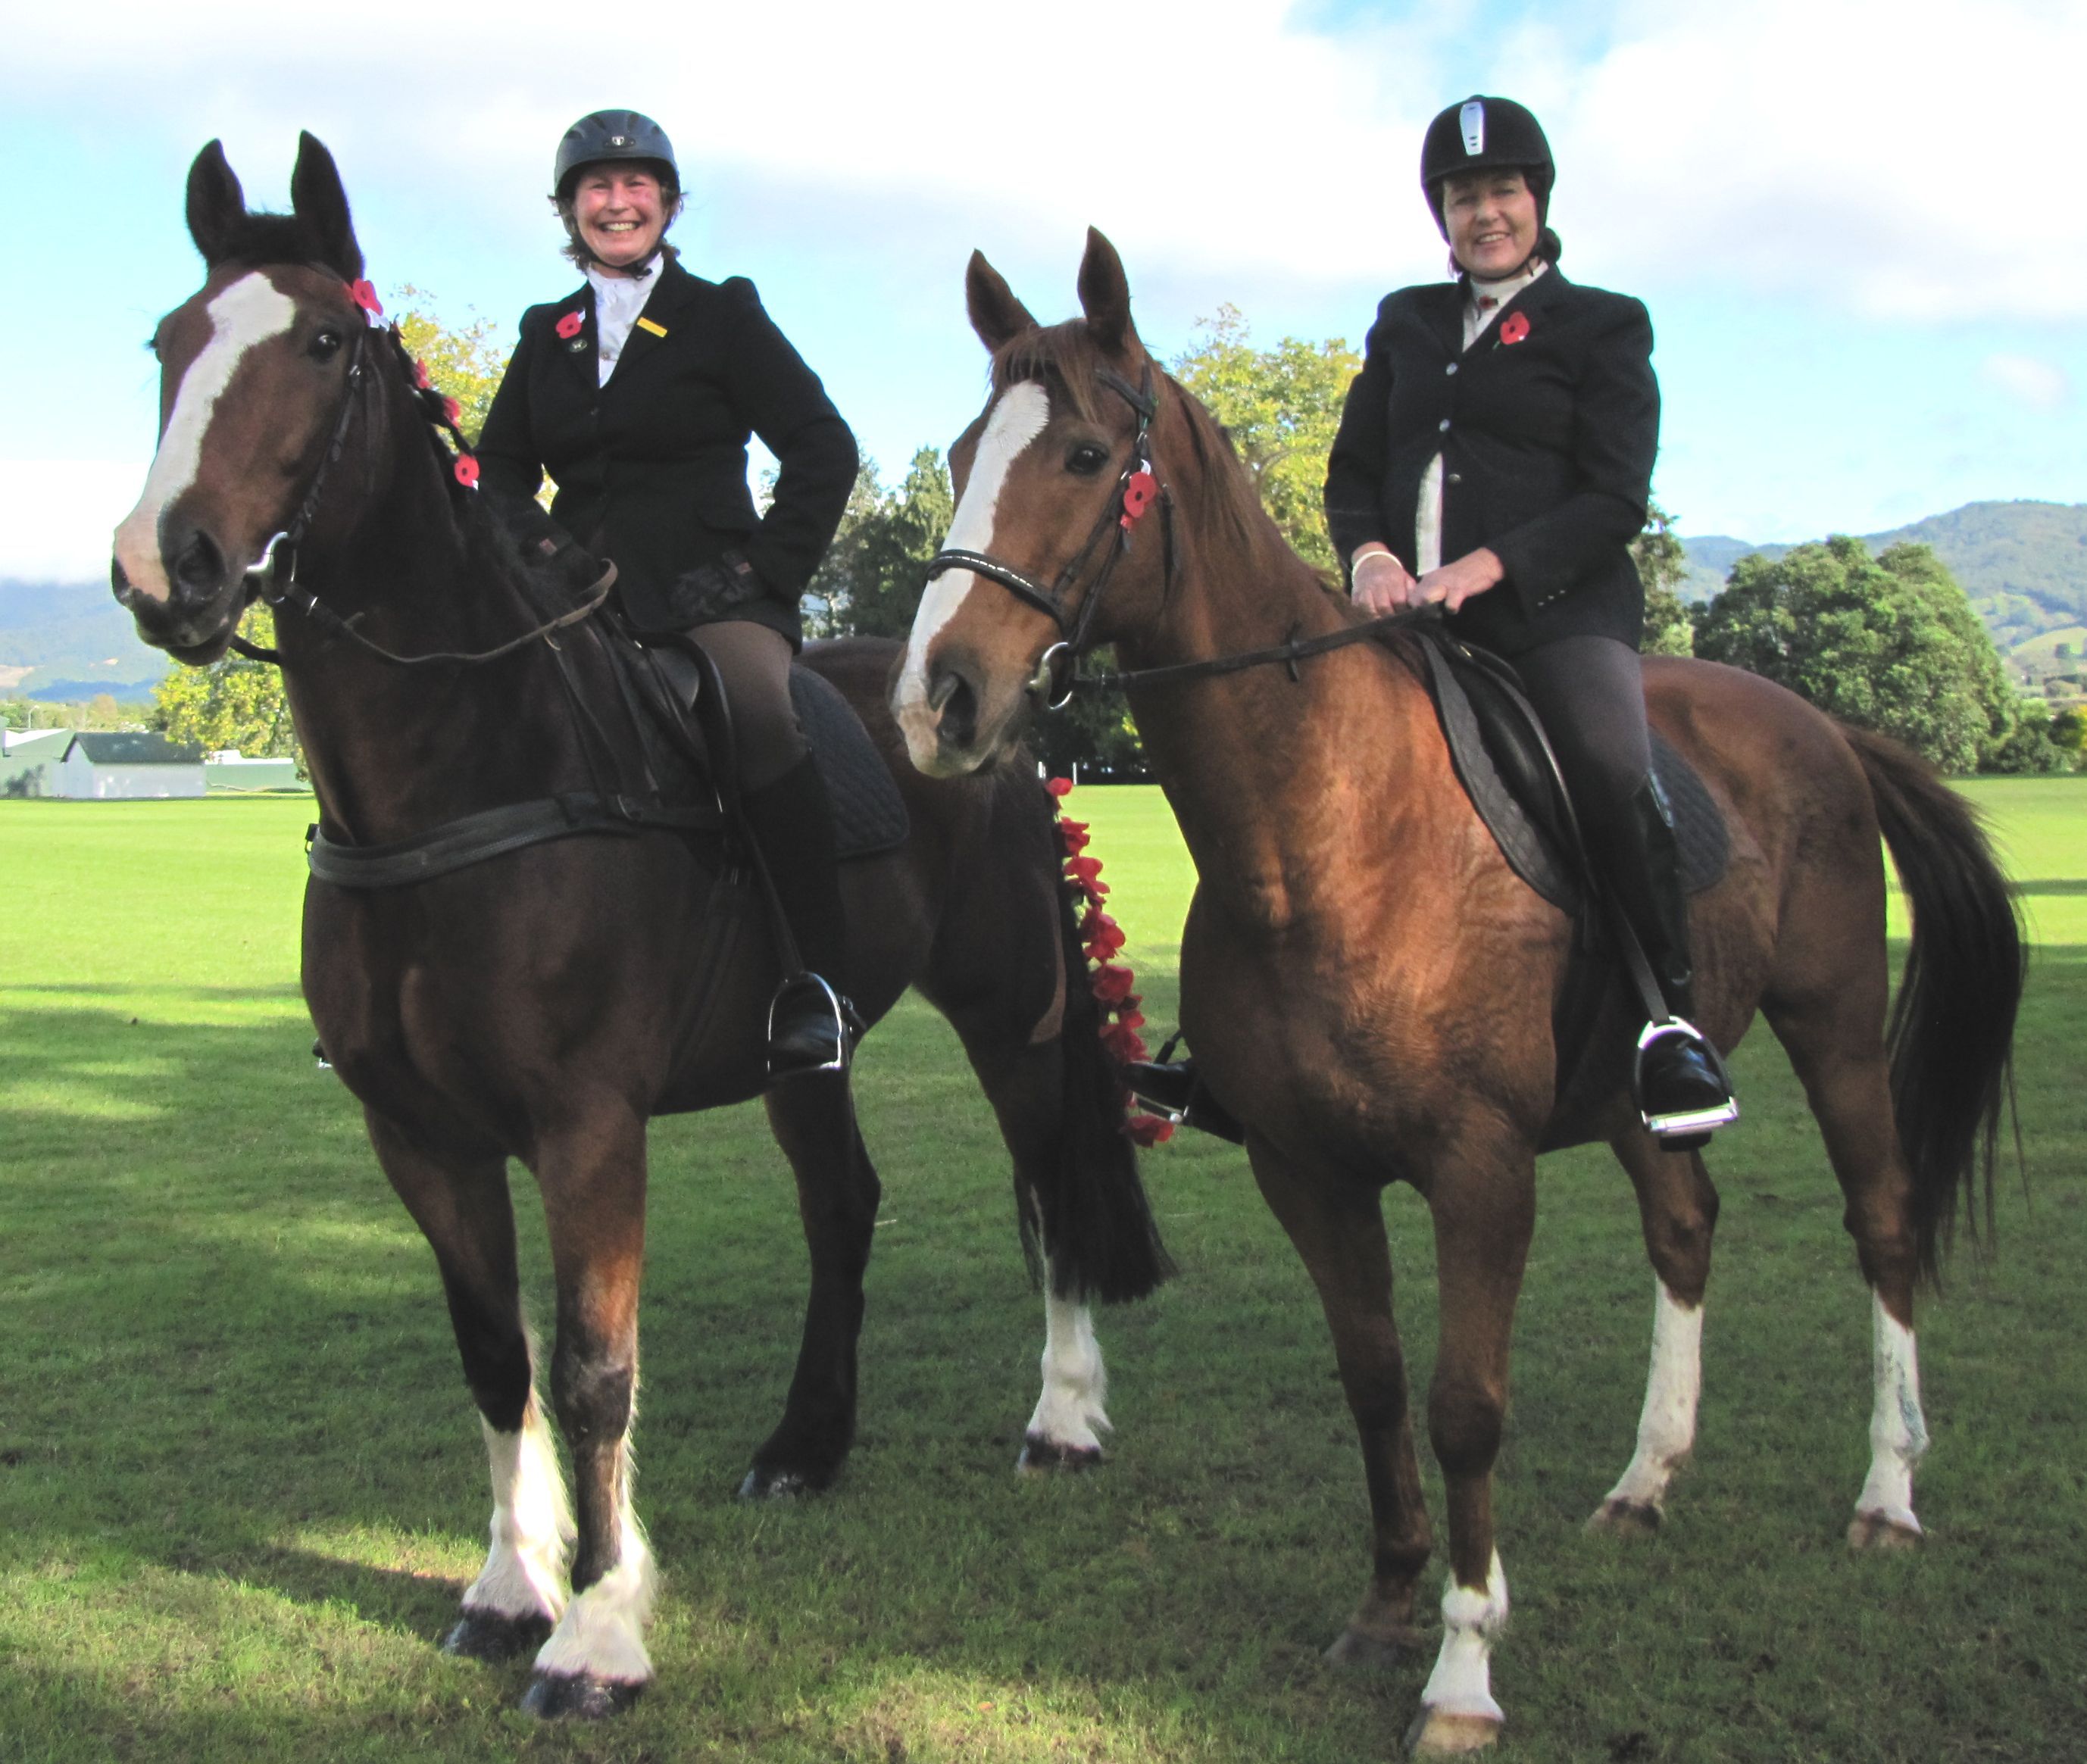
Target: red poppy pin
<point>570,325</point>
<point>466,471</point>
<point>1514,327</point>
<point>363,294</point>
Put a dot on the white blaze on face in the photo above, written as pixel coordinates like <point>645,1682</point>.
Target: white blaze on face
<point>1016,420</point>
<point>251,310</point>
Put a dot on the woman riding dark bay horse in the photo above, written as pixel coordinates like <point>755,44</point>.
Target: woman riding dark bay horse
<point>1369,987</point>
<point>544,1004</point>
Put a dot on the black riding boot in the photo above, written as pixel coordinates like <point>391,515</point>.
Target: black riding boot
<point>812,1026</point>
<point>1172,1088</point>
<point>1679,1081</point>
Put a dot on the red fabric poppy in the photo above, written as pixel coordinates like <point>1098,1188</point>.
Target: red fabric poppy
<point>1137,495</point>
<point>1060,786</point>
<point>452,410</point>
<point>1514,327</point>
<point>1084,869</point>
<point>1123,1041</point>
<point>421,382</point>
<point>363,294</point>
<point>1149,1129</point>
<point>571,324</point>
<point>466,471</point>
<point>1073,835</point>
<point>1113,982</point>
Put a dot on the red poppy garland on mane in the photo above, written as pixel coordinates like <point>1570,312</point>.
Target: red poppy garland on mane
<point>1110,981</point>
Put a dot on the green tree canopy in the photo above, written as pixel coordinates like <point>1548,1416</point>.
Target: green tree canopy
<point>1282,407</point>
<point>233,703</point>
<point>870,581</point>
<point>1662,565</point>
<point>465,362</point>
<point>1888,643</point>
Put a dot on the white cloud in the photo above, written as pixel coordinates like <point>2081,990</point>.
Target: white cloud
<point>58,515</point>
<point>2042,385</point>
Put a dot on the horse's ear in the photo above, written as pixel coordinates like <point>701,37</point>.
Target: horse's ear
<point>1105,294</point>
<point>995,314</point>
<point>217,206</point>
<point>317,199</point>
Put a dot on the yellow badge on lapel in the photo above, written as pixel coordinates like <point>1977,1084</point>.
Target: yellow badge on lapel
<point>646,324</point>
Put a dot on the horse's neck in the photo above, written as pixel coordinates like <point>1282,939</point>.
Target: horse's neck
<point>1282,786</point>
<point>394,750</point>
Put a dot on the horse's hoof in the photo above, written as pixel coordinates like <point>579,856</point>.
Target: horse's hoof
<point>1352,1650</point>
<point>552,1696</point>
<point>1625,1519</point>
<point>1040,1456</point>
<point>488,1635</point>
<point>1877,1531</point>
<point>1437,1733</point>
<point>773,1482</point>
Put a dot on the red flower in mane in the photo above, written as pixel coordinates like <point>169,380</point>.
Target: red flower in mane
<point>363,294</point>
<point>466,471</point>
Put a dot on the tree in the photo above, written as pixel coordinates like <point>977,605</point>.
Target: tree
<point>233,703</point>
<point>1282,407</point>
<point>466,363</point>
<point>870,582</point>
<point>1888,643</point>
<point>1663,566</point>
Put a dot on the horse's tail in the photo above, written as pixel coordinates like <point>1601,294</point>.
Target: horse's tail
<point>1096,1222</point>
<point>1952,1024</point>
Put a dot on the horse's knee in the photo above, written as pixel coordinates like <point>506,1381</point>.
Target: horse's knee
<point>593,1394</point>
<point>1464,1425</point>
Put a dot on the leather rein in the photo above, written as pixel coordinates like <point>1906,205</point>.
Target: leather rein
<point>273,578</point>
<point>1136,489</point>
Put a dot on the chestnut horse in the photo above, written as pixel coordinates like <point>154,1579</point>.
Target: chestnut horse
<point>545,1004</point>
<point>1370,990</point>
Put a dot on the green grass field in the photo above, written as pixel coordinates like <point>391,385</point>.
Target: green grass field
<point>241,1485</point>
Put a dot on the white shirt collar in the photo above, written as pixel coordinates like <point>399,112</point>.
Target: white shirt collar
<point>618,299</point>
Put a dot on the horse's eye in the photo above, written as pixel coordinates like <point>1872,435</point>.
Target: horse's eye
<point>1085,458</point>
<point>325,346</point>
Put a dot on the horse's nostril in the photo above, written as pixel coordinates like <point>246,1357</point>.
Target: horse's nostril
<point>200,567</point>
<point>939,696</point>
<point>959,710</point>
<point>119,584</point>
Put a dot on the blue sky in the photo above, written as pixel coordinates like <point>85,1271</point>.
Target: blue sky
<point>1859,226</point>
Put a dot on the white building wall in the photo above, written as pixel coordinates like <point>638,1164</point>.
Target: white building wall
<point>77,776</point>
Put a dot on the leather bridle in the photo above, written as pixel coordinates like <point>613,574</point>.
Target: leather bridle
<point>1137,489</point>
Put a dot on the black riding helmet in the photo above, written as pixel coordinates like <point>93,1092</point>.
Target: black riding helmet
<point>614,135</point>
<point>1481,132</point>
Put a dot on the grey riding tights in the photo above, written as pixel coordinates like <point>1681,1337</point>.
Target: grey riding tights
<point>1591,696</point>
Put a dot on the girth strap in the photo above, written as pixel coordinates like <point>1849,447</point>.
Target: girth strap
<point>456,844</point>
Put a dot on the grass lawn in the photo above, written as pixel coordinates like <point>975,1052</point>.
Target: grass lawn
<point>241,1485</point>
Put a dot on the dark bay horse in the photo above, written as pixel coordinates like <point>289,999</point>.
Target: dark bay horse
<point>1370,989</point>
<point>546,1003</point>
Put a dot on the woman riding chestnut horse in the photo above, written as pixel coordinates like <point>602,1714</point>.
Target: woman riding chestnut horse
<point>1377,997</point>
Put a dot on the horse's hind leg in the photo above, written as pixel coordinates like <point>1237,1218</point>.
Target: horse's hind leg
<point>592,1177</point>
<point>1837,1049</point>
<point>1677,1208</point>
<point>462,1208</point>
<point>837,1197</point>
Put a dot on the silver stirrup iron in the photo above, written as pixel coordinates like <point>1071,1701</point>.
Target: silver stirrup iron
<point>1667,1126</point>
<point>840,1062</point>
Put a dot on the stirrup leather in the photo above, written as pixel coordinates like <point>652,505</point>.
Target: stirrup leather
<point>1681,1123</point>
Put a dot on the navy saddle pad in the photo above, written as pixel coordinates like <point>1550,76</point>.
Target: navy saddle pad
<point>869,815</point>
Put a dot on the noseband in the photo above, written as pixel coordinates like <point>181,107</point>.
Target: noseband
<point>1136,491</point>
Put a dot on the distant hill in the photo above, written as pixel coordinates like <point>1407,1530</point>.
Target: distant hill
<point>66,641</point>
<point>2023,564</point>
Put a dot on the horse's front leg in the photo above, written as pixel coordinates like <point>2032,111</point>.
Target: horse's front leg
<point>463,1207</point>
<point>1483,1201</point>
<point>838,1192</point>
<point>1337,1224</point>
<point>593,1177</point>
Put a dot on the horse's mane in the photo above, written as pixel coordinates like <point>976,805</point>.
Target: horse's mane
<point>1067,362</point>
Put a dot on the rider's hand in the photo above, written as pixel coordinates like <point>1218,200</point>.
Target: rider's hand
<point>1381,582</point>
<point>1454,584</point>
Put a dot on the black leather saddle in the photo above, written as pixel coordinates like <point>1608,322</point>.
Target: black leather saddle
<point>869,815</point>
<point>1504,764</point>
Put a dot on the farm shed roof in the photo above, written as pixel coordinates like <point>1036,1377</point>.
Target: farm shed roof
<point>135,750</point>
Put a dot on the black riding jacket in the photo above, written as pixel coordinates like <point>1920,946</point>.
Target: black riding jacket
<point>1548,437</point>
<point>651,467</point>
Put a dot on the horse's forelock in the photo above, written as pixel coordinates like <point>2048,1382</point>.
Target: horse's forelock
<point>262,241</point>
